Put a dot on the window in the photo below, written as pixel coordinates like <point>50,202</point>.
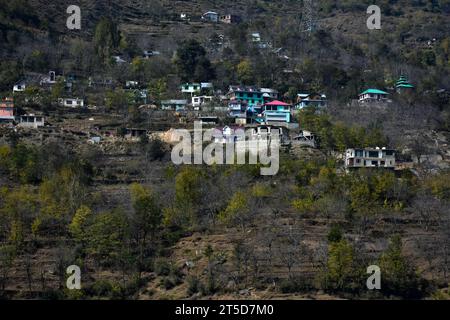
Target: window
<point>69,101</point>
<point>359,153</point>
<point>358,161</point>
<point>375,163</point>
<point>373,154</point>
<point>389,153</point>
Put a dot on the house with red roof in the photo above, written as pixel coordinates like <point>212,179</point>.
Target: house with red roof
<point>7,110</point>
<point>276,112</point>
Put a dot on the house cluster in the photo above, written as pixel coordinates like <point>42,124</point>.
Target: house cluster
<point>377,157</point>
<point>258,42</point>
<point>260,109</point>
<point>402,86</point>
<point>8,115</point>
<point>250,104</point>
<point>47,82</point>
<point>196,95</point>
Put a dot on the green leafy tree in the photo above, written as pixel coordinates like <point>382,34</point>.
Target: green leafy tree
<point>158,90</point>
<point>119,100</point>
<point>106,38</point>
<point>237,210</point>
<point>17,212</point>
<point>148,215</point>
<point>62,194</point>
<point>341,265</point>
<point>187,197</point>
<point>79,223</point>
<point>399,276</point>
<point>245,72</point>
<point>191,62</point>
<point>10,72</point>
<point>106,236</point>
<point>7,256</point>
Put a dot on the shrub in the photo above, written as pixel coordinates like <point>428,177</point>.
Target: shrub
<point>162,267</point>
<point>194,285</point>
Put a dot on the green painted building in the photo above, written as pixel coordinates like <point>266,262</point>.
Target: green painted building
<point>251,95</point>
<point>403,84</point>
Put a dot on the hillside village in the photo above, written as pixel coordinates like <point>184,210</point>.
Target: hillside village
<point>241,107</point>
<point>87,127</point>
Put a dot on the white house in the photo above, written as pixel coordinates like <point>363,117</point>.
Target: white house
<point>269,94</point>
<point>269,133</point>
<point>197,102</point>
<point>131,84</point>
<point>191,88</point>
<point>149,53</point>
<point>371,95</point>
<point>211,16</point>
<point>71,102</point>
<point>49,80</point>
<point>370,158</point>
<point>118,60</point>
<point>206,86</point>
<point>230,18</point>
<point>228,134</point>
<point>256,37</point>
<point>31,121</point>
<point>20,86</point>
<point>307,100</point>
<point>174,105</point>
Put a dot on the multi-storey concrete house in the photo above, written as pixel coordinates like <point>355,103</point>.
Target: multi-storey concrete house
<point>276,112</point>
<point>31,121</point>
<point>248,94</point>
<point>370,158</point>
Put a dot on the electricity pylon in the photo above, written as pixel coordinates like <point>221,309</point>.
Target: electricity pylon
<point>310,13</point>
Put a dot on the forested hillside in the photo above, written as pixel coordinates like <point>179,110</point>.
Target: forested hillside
<point>140,227</point>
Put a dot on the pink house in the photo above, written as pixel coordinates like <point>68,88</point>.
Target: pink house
<point>7,109</point>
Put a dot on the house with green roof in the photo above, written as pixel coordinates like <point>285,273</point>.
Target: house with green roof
<point>371,95</point>
<point>403,85</point>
